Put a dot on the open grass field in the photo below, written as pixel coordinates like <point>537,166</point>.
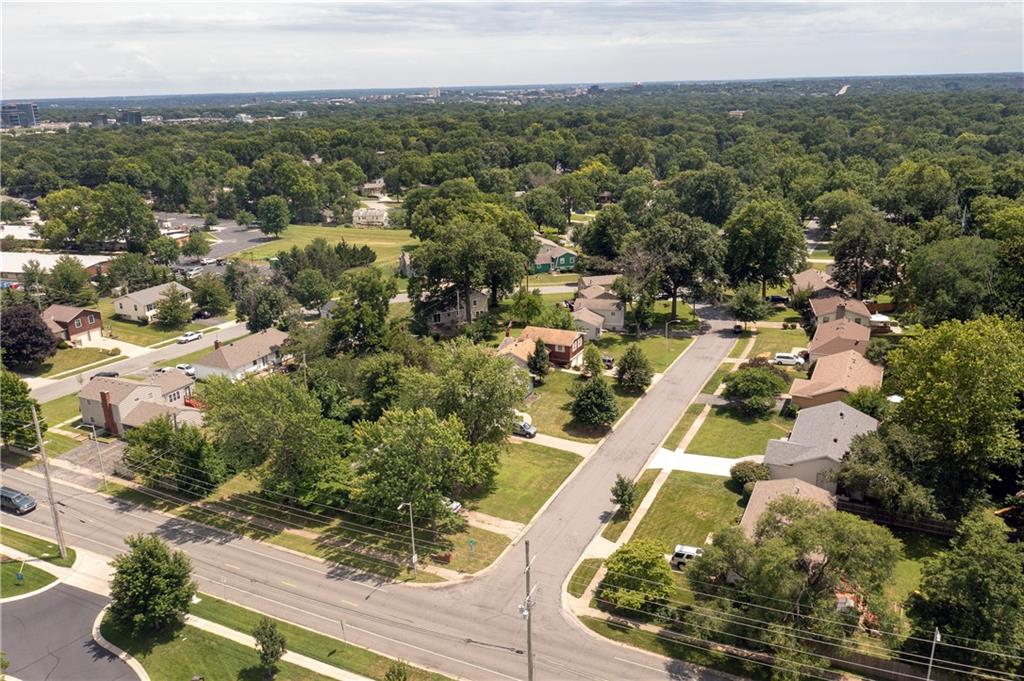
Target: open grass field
<point>688,507</point>
<point>550,411</point>
<point>386,243</point>
<point>727,433</point>
<point>770,341</point>
<point>34,578</point>
<point>134,332</point>
<point>326,649</point>
<point>33,546</point>
<point>187,652</point>
<point>681,428</point>
<point>613,530</point>
<point>660,352</point>
<point>69,359</point>
<point>528,475</point>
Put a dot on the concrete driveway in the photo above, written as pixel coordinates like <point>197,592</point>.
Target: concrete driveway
<point>49,637</point>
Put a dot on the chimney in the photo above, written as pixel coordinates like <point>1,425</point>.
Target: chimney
<point>108,413</point>
<point>840,310</point>
<point>216,344</point>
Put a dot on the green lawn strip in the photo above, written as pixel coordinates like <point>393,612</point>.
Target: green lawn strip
<point>689,506</point>
<point>57,444</point>
<point>820,266</point>
<point>187,652</point>
<point>386,243</point>
<point>583,575</point>
<point>716,379</point>
<point>528,475</point>
<point>60,410</point>
<point>34,578</point>
<point>550,410</point>
<point>770,341</point>
<point>820,253</point>
<point>725,432</point>
<point>33,546</point>
<point>550,279</point>
<point>786,314</point>
<point>69,359</point>
<point>659,351</point>
<point>694,653</point>
<point>689,416</point>
<point>400,310</point>
<point>305,642</point>
<point>486,546</point>
<point>193,356</point>
<point>613,530</point>
<point>137,333</point>
<point>741,343</point>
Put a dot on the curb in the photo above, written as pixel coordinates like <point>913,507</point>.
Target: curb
<point>121,655</point>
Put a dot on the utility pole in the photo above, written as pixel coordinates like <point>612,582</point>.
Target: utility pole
<point>99,455</point>
<point>525,609</point>
<point>49,487</point>
<point>412,534</point>
<point>931,658</point>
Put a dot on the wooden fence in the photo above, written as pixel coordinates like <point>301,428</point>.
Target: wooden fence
<point>942,528</point>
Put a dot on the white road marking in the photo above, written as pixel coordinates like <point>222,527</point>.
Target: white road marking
<point>637,664</point>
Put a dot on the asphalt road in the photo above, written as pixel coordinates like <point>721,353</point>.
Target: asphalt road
<point>468,630</point>
<point>49,637</point>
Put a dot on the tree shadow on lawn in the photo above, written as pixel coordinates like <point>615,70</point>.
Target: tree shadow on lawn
<point>140,644</point>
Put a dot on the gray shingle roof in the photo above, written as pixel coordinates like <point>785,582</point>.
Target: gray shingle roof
<point>822,432</point>
<point>153,293</point>
<point>244,352</point>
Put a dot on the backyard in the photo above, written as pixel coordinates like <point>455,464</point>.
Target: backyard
<point>550,408</point>
<point>528,475</point>
<point>725,432</point>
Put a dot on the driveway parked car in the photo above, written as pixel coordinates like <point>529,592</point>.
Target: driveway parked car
<point>683,554</point>
<point>788,359</point>
<point>105,374</point>
<point>524,429</point>
<point>16,502</point>
<point>208,261</point>
<point>187,369</point>
<point>190,336</point>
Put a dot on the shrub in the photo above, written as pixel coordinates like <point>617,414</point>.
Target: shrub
<point>634,371</point>
<point>753,389</point>
<point>593,403</point>
<point>748,472</point>
<point>152,585</point>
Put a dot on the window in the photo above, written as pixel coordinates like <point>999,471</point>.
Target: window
<point>437,317</point>
<point>475,302</point>
<point>78,323</point>
<point>136,307</point>
<point>559,348</point>
<point>91,319</point>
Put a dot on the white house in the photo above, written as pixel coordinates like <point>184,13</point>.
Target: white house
<point>245,356</point>
<point>142,305</point>
<point>589,322</point>
<point>370,217</point>
<point>115,404</point>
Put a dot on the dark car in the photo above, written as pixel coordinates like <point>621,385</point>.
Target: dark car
<point>608,361</point>
<point>737,328</point>
<point>106,374</point>
<point>776,299</point>
<point>16,502</point>
<point>524,429</point>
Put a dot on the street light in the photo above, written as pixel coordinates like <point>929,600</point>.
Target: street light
<point>671,321</point>
<point>412,534</point>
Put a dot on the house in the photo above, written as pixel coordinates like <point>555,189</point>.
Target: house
<point>596,291</point>
<point>604,198</point>
<point>553,258</point>
<point>611,310</point>
<point>589,322</point>
<point>518,349</point>
<point>565,347</point>
<point>141,306</point>
<point>815,281</point>
<point>837,336</point>
<point>828,308</point>
<point>115,404</point>
<point>448,315</point>
<point>370,217</point>
<point>236,360</point>
<point>19,232</point>
<point>767,491</point>
<point>68,322</point>
<point>605,280</point>
<point>834,377</point>
<point>816,446</point>
<point>12,264</point>
<point>374,188</point>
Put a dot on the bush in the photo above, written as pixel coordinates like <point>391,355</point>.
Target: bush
<point>638,578</point>
<point>152,585</point>
<point>748,472</point>
<point>593,403</point>
<point>634,372</point>
<point>753,389</point>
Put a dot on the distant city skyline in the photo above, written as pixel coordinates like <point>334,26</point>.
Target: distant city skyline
<point>85,49</point>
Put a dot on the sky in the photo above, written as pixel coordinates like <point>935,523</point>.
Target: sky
<point>83,49</point>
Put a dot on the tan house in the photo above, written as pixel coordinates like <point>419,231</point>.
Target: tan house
<point>828,308</point>
<point>370,217</point>
<point>448,317</point>
<point>518,349</point>
<point>68,322</point>
<point>815,281</point>
<point>838,336</point>
<point>251,354</point>
<point>114,404</point>
<point>374,188</point>
<point>605,280</point>
<point>142,305</point>
<point>589,322</point>
<point>565,347</point>
<point>834,377</point>
<point>611,310</point>
<point>767,491</point>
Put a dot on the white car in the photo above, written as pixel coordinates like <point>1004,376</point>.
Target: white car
<point>190,336</point>
<point>186,369</point>
<point>788,359</point>
<point>192,272</point>
<point>683,555</point>
<point>208,261</point>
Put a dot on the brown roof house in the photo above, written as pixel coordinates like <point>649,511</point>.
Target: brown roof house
<point>565,347</point>
<point>767,491</point>
<point>115,404</point>
<point>828,308</point>
<point>815,281</point>
<point>605,280</point>
<point>518,348</point>
<point>589,322</point>
<point>249,355</point>
<point>819,441</point>
<point>68,322</point>
<point>834,377</point>
<point>837,336</point>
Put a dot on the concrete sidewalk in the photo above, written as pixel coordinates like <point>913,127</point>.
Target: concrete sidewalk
<point>677,460</point>
<point>583,449</point>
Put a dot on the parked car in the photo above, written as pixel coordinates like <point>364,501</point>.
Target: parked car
<point>777,299</point>
<point>683,554</point>
<point>191,272</point>
<point>105,374</point>
<point>453,506</point>
<point>201,314</point>
<point>207,261</point>
<point>222,261</point>
<point>737,328</point>
<point>788,359</point>
<point>190,336</point>
<point>16,502</point>
<point>608,361</point>
<point>524,429</point>
<point>187,369</point>
<point>163,370</point>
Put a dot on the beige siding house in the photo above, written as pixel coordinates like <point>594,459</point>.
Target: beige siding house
<point>141,305</point>
<point>834,377</point>
<point>249,355</point>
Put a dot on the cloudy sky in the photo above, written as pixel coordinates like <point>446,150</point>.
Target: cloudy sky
<point>64,49</point>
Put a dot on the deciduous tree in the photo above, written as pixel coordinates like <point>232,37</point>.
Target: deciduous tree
<point>26,339</point>
<point>270,643</point>
<point>764,244</point>
<point>634,371</point>
<point>173,310</point>
<point>273,215</point>
<point>593,403</point>
<point>16,416</point>
<point>638,578</point>
<point>152,585</point>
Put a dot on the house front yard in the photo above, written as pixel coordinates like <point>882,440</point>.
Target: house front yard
<point>528,476</point>
<point>688,508</point>
<point>68,359</point>
<point>60,410</point>
<point>770,341</point>
<point>726,432</point>
<point>135,332</point>
<point>550,408</point>
<point>659,351</point>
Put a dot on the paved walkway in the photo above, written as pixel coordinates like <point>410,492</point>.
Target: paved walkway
<point>677,460</point>
<point>509,528</point>
<point>584,449</point>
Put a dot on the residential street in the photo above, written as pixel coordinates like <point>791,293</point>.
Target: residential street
<point>473,630</point>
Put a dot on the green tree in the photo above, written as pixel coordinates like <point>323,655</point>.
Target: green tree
<point>692,255</point>
<point>121,210</point>
<point>634,371</point>
<point>196,246</point>
<point>593,403</point>
<point>539,363</point>
<point>262,305</point>
<point>273,215</point>
<point>604,235</point>
<point>871,401</point>
<point>179,457</point>
<point>16,416</point>
<point>974,590</point>
<point>152,585</point>
<point>68,283</point>
<point>545,207</point>
<point>833,207</point>
<point>379,379</point>
<point>638,578</point>
<point>916,191</point>
<point>624,495</point>
<point>861,247</point>
<point>709,193</point>
<point>311,289</point>
<point>134,271</point>
<point>359,320</point>
<point>526,306</point>
<point>764,244</point>
<point>11,211</point>
<point>753,389</point>
<point>748,473</point>
<point>747,305</point>
<point>270,643</point>
<point>210,294</point>
<point>593,363</point>
<point>26,339</point>
<point>164,250</point>
<point>173,310</point>
<point>244,218</point>
<point>954,279</point>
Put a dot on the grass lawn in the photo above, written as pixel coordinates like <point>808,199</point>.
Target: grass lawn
<point>727,433</point>
<point>475,549</point>
<point>57,444</point>
<point>60,410</point>
<point>186,652</point>
<point>305,642</point>
<point>386,243</point>
<point>34,578</point>
<point>659,351</point>
<point>33,546</point>
<point>689,416</point>
<point>819,253</point>
<point>688,507</point>
<point>741,343</point>
<point>550,411</point>
<point>400,310</point>
<point>528,476</point>
<point>786,314</point>
<point>69,359</point>
<point>820,266</point>
<point>613,530</point>
<point>549,278</point>
<point>770,341</point>
<point>583,575</point>
<point>916,547</point>
<point>716,379</point>
<point>134,332</point>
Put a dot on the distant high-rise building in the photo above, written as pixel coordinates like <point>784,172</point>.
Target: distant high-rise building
<point>100,120</point>
<point>21,115</point>
<point>435,92</point>
<point>130,117</point>
<point>297,114</point>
